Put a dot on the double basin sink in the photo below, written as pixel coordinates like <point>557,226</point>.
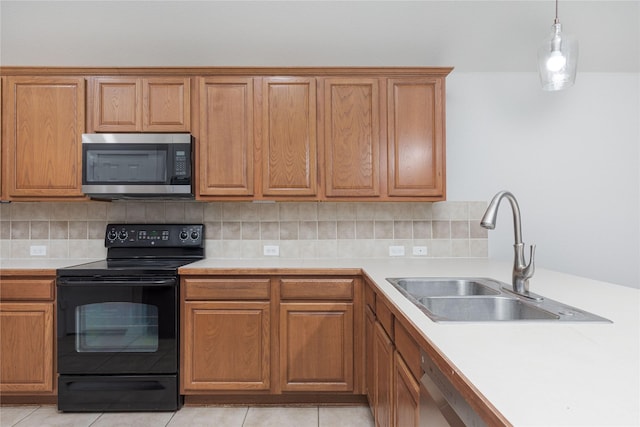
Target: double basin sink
<point>474,299</point>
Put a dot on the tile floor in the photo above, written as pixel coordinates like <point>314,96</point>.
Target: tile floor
<point>192,416</point>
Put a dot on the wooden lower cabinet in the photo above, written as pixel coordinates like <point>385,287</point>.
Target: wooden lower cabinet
<point>392,369</point>
<point>406,394</point>
<point>320,334</point>
<point>316,346</point>
<point>369,330</point>
<point>383,377</point>
<point>226,346</point>
<point>26,336</point>
<point>271,335</point>
<point>225,334</point>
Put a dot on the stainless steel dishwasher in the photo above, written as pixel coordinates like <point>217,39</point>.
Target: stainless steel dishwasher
<point>440,403</point>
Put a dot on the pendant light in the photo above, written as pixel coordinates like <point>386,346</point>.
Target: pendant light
<point>558,58</point>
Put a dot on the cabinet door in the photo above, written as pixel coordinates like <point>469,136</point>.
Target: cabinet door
<point>42,148</point>
<point>415,123</point>
<point>316,346</point>
<point>26,347</point>
<point>117,104</point>
<point>166,104</point>
<point>383,372</point>
<point>369,331</point>
<point>289,141</point>
<point>225,346</point>
<point>226,136</point>
<point>3,82</point>
<point>407,395</point>
<point>352,137</point>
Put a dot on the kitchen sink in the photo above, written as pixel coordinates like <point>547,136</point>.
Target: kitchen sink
<point>477,299</point>
<point>441,287</point>
<point>483,309</point>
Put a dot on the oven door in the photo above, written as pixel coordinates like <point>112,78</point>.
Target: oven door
<point>117,326</point>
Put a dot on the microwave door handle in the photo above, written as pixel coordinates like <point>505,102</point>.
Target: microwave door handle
<point>103,282</point>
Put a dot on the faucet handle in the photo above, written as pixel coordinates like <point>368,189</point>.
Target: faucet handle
<point>530,268</point>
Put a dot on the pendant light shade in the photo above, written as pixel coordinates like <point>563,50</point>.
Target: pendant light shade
<point>558,58</point>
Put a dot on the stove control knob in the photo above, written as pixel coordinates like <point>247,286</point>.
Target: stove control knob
<point>123,235</point>
<point>184,235</point>
<point>195,235</point>
<point>111,235</point>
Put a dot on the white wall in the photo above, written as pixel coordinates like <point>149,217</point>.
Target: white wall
<point>571,158</point>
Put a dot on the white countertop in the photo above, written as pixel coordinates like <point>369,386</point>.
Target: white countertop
<point>41,263</point>
<point>534,373</point>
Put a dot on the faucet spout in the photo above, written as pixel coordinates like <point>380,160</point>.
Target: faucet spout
<point>489,219</point>
<point>522,271</point>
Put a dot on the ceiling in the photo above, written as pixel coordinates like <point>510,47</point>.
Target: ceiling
<point>472,36</point>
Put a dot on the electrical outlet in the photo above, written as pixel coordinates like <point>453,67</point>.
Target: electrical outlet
<point>396,250</point>
<point>420,250</point>
<point>38,250</point>
<point>271,250</point>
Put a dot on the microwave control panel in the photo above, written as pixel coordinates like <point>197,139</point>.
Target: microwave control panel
<point>180,163</point>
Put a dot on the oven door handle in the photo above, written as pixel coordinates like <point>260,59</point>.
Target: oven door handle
<point>106,282</point>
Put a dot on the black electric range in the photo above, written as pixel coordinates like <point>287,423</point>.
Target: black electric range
<point>118,334</point>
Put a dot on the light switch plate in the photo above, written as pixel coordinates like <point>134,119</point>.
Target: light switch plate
<point>271,250</point>
<point>37,250</point>
<point>396,250</point>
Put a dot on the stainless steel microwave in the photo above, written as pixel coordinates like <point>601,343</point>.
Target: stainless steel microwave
<point>137,165</point>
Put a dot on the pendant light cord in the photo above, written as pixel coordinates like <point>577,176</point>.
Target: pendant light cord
<point>556,21</point>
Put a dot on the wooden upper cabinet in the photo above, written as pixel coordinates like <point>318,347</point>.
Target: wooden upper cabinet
<point>314,134</point>
<point>289,140</point>
<point>134,104</point>
<point>41,147</point>
<point>226,141</point>
<point>416,150</point>
<point>117,104</point>
<point>351,137</point>
<point>166,104</point>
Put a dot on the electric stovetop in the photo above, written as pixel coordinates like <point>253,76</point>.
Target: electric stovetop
<point>144,249</point>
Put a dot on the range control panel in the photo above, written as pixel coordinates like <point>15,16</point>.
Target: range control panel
<point>154,235</point>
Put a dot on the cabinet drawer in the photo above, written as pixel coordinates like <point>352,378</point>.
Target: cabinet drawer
<point>340,289</point>
<point>27,289</point>
<point>370,296</point>
<point>385,317</point>
<point>408,349</point>
<point>226,289</point>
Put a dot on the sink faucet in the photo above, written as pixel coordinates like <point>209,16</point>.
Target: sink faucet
<point>522,271</point>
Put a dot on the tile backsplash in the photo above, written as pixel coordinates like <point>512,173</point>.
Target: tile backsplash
<point>242,229</point>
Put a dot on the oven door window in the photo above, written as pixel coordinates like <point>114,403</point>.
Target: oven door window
<point>123,327</point>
